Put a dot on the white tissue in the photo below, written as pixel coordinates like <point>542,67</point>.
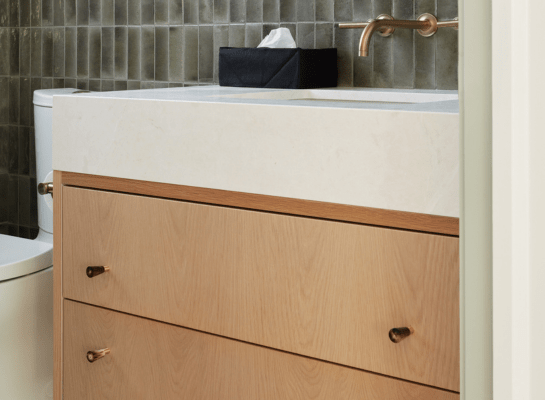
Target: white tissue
<point>279,38</point>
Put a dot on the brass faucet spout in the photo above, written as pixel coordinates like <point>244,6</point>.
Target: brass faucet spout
<point>365,40</point>
<point>385,25</point>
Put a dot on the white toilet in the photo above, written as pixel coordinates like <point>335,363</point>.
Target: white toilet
<point>26,284</point>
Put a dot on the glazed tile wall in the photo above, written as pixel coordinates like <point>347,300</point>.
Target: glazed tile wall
<point>140,44</point>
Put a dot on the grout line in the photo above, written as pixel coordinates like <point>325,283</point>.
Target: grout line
<point>168,45</point>
<point>88,40</point>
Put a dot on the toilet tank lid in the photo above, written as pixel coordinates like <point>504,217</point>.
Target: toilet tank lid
<point>19,257</point>
<point>44,97</point>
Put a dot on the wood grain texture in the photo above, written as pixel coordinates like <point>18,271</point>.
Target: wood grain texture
<point>151,360</point>
<point>332,211</point>
<point>57,286</point>
<point>319,288</point>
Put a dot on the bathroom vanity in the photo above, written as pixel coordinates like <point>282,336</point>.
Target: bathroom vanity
<point>218,243</point>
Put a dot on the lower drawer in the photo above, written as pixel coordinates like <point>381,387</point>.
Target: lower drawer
<point>153,360</point>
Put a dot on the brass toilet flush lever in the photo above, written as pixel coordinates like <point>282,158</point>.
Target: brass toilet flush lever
<point>45,188</point>
<point>385,25</point>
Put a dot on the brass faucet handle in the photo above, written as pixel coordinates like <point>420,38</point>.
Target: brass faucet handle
<point>398,334</point>
<point>449,24</point>
<point>94,355</point>
<point>94,271</point>
<point>354,25</point>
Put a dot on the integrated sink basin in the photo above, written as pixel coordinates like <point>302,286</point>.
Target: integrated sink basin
<point>352,95</point>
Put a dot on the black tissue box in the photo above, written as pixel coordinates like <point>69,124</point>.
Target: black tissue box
<point>278,68</point>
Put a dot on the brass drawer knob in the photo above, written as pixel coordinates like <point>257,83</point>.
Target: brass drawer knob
<point>398,334</point>
<point>94,271</point>
<point>92,356</point>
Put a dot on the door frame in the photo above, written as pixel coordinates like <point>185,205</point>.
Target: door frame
<point>502,268</point>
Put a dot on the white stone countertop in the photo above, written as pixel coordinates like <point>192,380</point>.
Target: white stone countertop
<point>382,148</point>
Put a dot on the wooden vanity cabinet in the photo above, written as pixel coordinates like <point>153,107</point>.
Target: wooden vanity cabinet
<point>204,300</point>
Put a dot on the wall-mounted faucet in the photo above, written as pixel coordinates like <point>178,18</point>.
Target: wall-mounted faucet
<point>385,25</point>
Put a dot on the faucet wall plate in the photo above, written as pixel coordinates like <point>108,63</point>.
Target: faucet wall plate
<point>386,31</point>
<point>432,28</point>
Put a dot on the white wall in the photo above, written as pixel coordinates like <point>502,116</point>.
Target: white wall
<point>476,199</point>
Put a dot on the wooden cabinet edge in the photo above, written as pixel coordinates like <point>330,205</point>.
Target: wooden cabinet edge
<point>57,287</point>
<point>306,208</point>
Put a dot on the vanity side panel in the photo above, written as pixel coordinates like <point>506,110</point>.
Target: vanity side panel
<point>152,360</point>
<point>57,286</point>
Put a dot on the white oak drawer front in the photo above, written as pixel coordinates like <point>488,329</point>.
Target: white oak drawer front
<point>151,360</point>
<point>319,288</point>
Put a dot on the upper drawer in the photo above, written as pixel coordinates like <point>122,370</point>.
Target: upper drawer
<point>319,288</point>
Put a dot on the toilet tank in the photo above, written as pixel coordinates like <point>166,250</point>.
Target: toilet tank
<point>43,124</point>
